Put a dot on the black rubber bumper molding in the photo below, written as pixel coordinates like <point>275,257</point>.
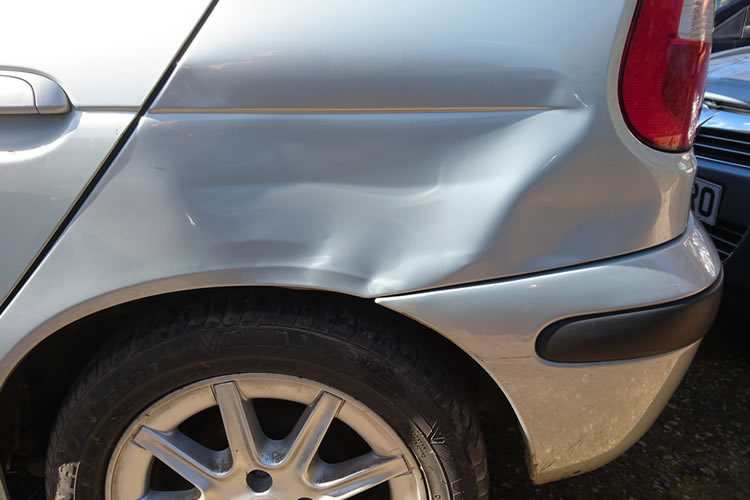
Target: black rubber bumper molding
<point>631,333</point>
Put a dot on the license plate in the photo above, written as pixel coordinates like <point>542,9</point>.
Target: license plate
<point>705,200</point>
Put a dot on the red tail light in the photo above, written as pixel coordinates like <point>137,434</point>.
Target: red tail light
<point>663,73</point>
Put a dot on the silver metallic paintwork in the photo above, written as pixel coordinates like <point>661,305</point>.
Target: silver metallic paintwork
<point>103,54</point>
<point>253,169</point>
<point>728,80</point>
<point>725,119</point>
<point>341,54</point>
<point>47,96</point>
<point>558,182</point>
<point>45,162</point>
<point>16,96</point>
<point>265,192</point>
<point>730,64</point>
<point>600,409</point>
<point>576,417</point>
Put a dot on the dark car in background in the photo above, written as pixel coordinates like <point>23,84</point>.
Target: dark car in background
<point>721,194</point>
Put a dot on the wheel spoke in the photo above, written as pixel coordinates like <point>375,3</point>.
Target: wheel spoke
<point>243,431</point>
<point>304,440</point>
<point>180,453</point>
<point>170,434</point>
<point>193,494</point>
<point>344,480</point>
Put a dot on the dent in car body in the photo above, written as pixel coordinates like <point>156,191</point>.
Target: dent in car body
<point>460,134</point>
<point>261,166</point>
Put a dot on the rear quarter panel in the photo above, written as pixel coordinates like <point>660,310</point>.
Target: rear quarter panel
<point>409,145</point>
<point>369,149</point>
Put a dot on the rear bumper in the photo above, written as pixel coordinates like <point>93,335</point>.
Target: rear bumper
<point>581,411</point>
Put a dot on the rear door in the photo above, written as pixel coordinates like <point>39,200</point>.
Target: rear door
<point>73,77</point>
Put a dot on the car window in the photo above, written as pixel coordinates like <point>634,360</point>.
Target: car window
<point>724,3</point>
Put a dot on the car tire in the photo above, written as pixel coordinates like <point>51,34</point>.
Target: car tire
<point>224,341</point>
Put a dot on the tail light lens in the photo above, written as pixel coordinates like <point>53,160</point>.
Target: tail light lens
<point>663,73</point>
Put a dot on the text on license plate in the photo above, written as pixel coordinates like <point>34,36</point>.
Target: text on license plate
<point>705,200</point>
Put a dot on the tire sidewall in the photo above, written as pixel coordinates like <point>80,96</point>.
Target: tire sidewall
<point>101,415</point>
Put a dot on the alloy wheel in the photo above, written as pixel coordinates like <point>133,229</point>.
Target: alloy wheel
<point>261,436</point>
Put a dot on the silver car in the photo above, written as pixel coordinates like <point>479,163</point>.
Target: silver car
<point>285,249</point>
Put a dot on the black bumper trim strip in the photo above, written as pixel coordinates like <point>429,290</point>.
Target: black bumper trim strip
<point>631,333</point>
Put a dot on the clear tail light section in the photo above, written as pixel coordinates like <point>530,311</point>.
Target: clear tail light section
<point>663,73</point>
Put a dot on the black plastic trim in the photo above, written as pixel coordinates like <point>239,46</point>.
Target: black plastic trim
<point>632,333</point>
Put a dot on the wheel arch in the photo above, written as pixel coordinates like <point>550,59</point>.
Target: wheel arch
<point>58,355</point>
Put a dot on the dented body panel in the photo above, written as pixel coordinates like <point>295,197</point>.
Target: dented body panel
<point>436,159</point>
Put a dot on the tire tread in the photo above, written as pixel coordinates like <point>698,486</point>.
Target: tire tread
<point>346,322</point>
